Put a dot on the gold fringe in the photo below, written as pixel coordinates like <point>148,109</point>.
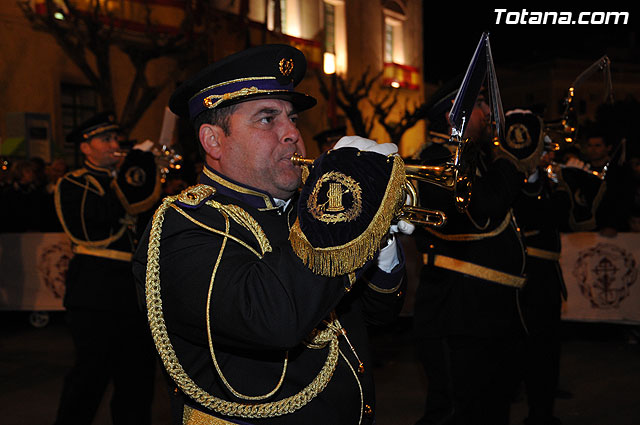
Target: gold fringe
<point>344,259</point>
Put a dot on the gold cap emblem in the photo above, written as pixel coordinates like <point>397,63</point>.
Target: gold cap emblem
<point>286,66</point>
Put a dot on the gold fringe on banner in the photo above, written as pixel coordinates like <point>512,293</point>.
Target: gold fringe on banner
<point>346,258</point>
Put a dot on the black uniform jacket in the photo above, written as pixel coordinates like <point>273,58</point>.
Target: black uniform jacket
<point>97,208</point>
<point>239,308</point>
<point>541,211</point>
<point>475,262</point>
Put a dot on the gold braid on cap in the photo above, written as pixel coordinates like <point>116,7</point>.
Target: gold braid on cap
<point>167,352</point>
<point>344,259</point>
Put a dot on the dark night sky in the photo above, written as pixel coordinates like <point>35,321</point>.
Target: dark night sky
<point>450,40</point>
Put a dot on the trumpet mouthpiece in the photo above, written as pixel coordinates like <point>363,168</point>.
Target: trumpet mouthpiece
<point>297,159</point>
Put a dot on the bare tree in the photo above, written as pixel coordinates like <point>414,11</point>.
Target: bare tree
<point>396,129</point>
<point>349,96</point>
<point>87,36</point>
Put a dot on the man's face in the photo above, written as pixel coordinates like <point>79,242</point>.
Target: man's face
<point>100,150</point>
<point>596,149</point>
<point>262,138</point>
<point>478,127</point>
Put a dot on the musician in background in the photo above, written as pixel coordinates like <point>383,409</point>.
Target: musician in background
<point>606,155</point>
<point>540,211</point>
<point>469,332</point>
<point>97,207</point>
<point>248,332</point>
<point>600,187</point>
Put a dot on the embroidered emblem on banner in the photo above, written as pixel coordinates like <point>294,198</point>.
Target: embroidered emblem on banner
<point>335,198</point>
<point>605,274</point>
<point>53,262</point>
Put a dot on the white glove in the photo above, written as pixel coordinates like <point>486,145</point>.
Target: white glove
<point>533,177</point>
<point>517,111</point>
<point>388,256</point>
<point>145,146</point>
<point>363,144</point>
<point>403,227</point>
<point>576,163</point>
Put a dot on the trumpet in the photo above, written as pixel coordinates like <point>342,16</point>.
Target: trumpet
<point>411,211</point>
<point>456,176</point>
<point>167,158</point>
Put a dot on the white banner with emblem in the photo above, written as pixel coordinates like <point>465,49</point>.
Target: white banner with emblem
<point>601,275</point>
<point>33,267</point>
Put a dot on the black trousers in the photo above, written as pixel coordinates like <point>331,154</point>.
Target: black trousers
<point>109,347</point>
<point>470,379</point>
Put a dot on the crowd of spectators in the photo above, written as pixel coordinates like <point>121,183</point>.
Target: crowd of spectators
<point>26,195</point>
<point>26,192</point>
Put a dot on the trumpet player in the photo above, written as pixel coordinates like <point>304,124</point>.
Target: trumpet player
<point>468,328</point>
<point>247,331</point>
<point>97,207</point>
<point>541,212</point>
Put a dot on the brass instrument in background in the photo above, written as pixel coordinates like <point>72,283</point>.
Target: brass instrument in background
<point>456,176</point>
<point>563,132</point>
<point>169,159</point>
<point>565,129</point>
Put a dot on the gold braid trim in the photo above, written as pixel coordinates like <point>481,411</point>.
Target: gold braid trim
<point>244,219</point>
<point>90,180</point>
<point>472,236</point>
<point>344,259</point>
<point>178,374</point>
<point>209,335</point>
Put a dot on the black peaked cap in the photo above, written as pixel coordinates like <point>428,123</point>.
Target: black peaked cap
<point>266,71</point>
<point>100,123</point>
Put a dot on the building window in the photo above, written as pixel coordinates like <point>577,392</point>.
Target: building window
<point>79,103</point>
<point>394,17</point>
<point>335,35</point>
<point>277,15</point>
<point>388,42</point>
<point>329,28</point>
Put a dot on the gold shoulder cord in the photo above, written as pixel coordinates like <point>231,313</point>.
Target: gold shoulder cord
<point>167,352</point>
<point>87,187</point>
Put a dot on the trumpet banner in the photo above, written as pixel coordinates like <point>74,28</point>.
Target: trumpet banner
<point>601,275</point>
<point>33,267</point>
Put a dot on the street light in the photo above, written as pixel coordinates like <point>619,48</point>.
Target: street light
<point>329,68</point>
<point>329,63</point>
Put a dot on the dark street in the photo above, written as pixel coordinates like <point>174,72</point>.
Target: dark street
<point>600,368</point>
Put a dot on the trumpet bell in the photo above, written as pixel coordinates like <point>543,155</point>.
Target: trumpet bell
<point>456,176</point>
